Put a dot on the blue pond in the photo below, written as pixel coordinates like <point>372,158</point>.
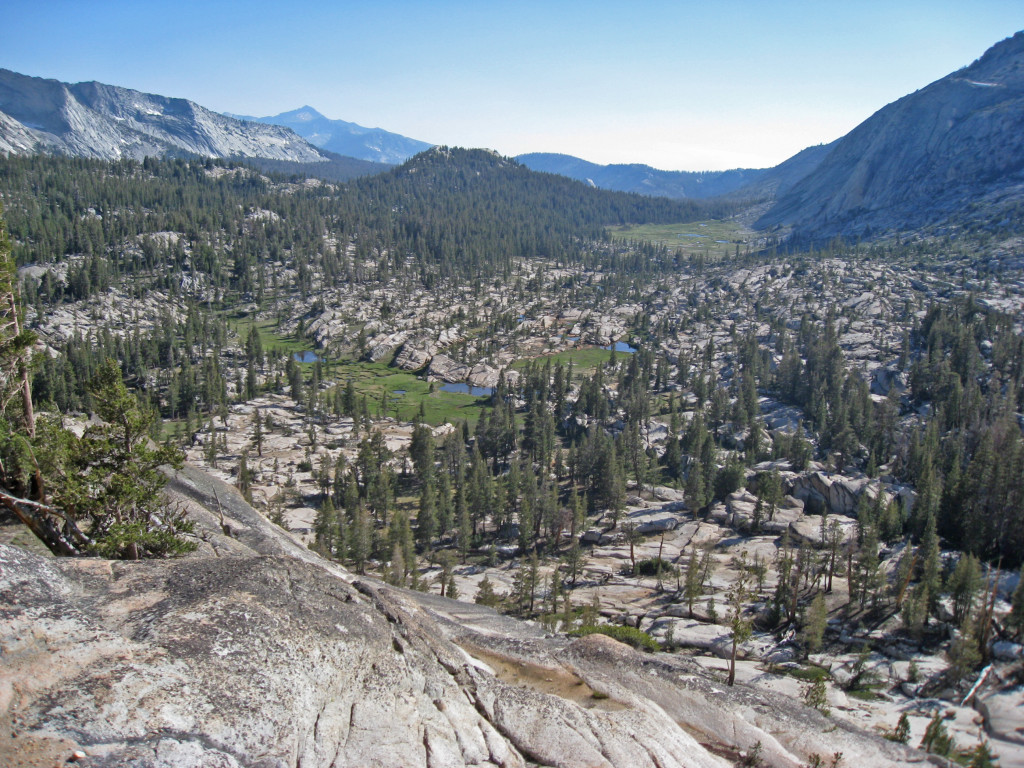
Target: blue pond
<point>306,357</point>
<point>465,389</point>
<point>398,392</point>
<point>621,346</point>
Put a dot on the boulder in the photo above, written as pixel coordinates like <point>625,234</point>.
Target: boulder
<point>808,529</point>
<point>592,536</point>
<point>482,375</point>
<point>885,380</point>
<point>1004,650</point>
<point>443,367</point>
<point>834,494</point>
<point>657,525</point>
<point>383,346</point>
<point>664,493</point>
<point>1002,713</point>
<point>410,358</point>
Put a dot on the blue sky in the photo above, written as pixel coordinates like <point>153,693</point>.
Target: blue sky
<point>677,85</point>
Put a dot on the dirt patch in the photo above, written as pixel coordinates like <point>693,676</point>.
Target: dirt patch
<point>33,751</point>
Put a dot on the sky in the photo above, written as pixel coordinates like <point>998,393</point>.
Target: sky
<point>676,85</point>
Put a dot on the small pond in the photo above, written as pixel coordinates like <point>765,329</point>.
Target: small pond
<point>306,357</point>
<point>464,389</point>
<point>621,346</point>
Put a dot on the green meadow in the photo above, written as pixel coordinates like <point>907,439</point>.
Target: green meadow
<point>714,238</point>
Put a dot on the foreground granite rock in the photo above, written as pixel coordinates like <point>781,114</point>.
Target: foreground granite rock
<point>256,653</point>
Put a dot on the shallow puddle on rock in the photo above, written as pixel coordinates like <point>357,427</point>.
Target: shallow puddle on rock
<point>554,682</point>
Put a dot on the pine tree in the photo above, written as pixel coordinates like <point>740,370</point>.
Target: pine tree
<point>400,535</point>
<point>815,621</point>
<point>915,610</point>
<point>108,480</point>
<point>982,757</point>
<point>1016,617</point>
<point>325,528</point>
<point>963,585</point>
<point>964,653</point>
<point>524,586</point>
<point>465,525</point>
<point>574,560</point>
<point>901,733</point>
<point>740,625</point>
<point>426,519</point>
<point>444,505</point>
<point>485,594</point>
<point>360,542</point>
<point>694,583</point>
<point>816,696</point>
<point>15,341</point>
<point>869,576</point>
<point>931,579</point>
<point>696,491</point>
<point>936,738</point>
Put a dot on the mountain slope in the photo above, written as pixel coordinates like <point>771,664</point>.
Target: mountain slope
<point>922,159</point>
<point>643,179</point>
<point>774,182</point>
<point>343,138</point>
<point>107,122</point>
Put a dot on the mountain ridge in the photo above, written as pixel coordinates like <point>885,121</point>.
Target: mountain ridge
<point>92,119</point>
<point>642,179</point>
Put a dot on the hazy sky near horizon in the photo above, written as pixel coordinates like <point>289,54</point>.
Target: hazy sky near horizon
<point>676,85</point>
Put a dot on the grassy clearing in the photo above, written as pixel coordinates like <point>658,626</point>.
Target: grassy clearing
<point>584,360</point>
<point>714,238</point>
<point>271,340</point>
<point>405,393</point>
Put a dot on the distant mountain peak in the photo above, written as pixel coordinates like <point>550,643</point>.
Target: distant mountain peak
<point>305,113</point>
<point>345,138</point>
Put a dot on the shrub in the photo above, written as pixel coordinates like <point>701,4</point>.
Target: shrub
<point>649,567</point>
<point>629,635</point>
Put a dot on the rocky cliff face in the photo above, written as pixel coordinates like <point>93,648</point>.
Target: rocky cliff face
<point>104,121</point>
<point>256,653</point>
<point>922,159</point>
